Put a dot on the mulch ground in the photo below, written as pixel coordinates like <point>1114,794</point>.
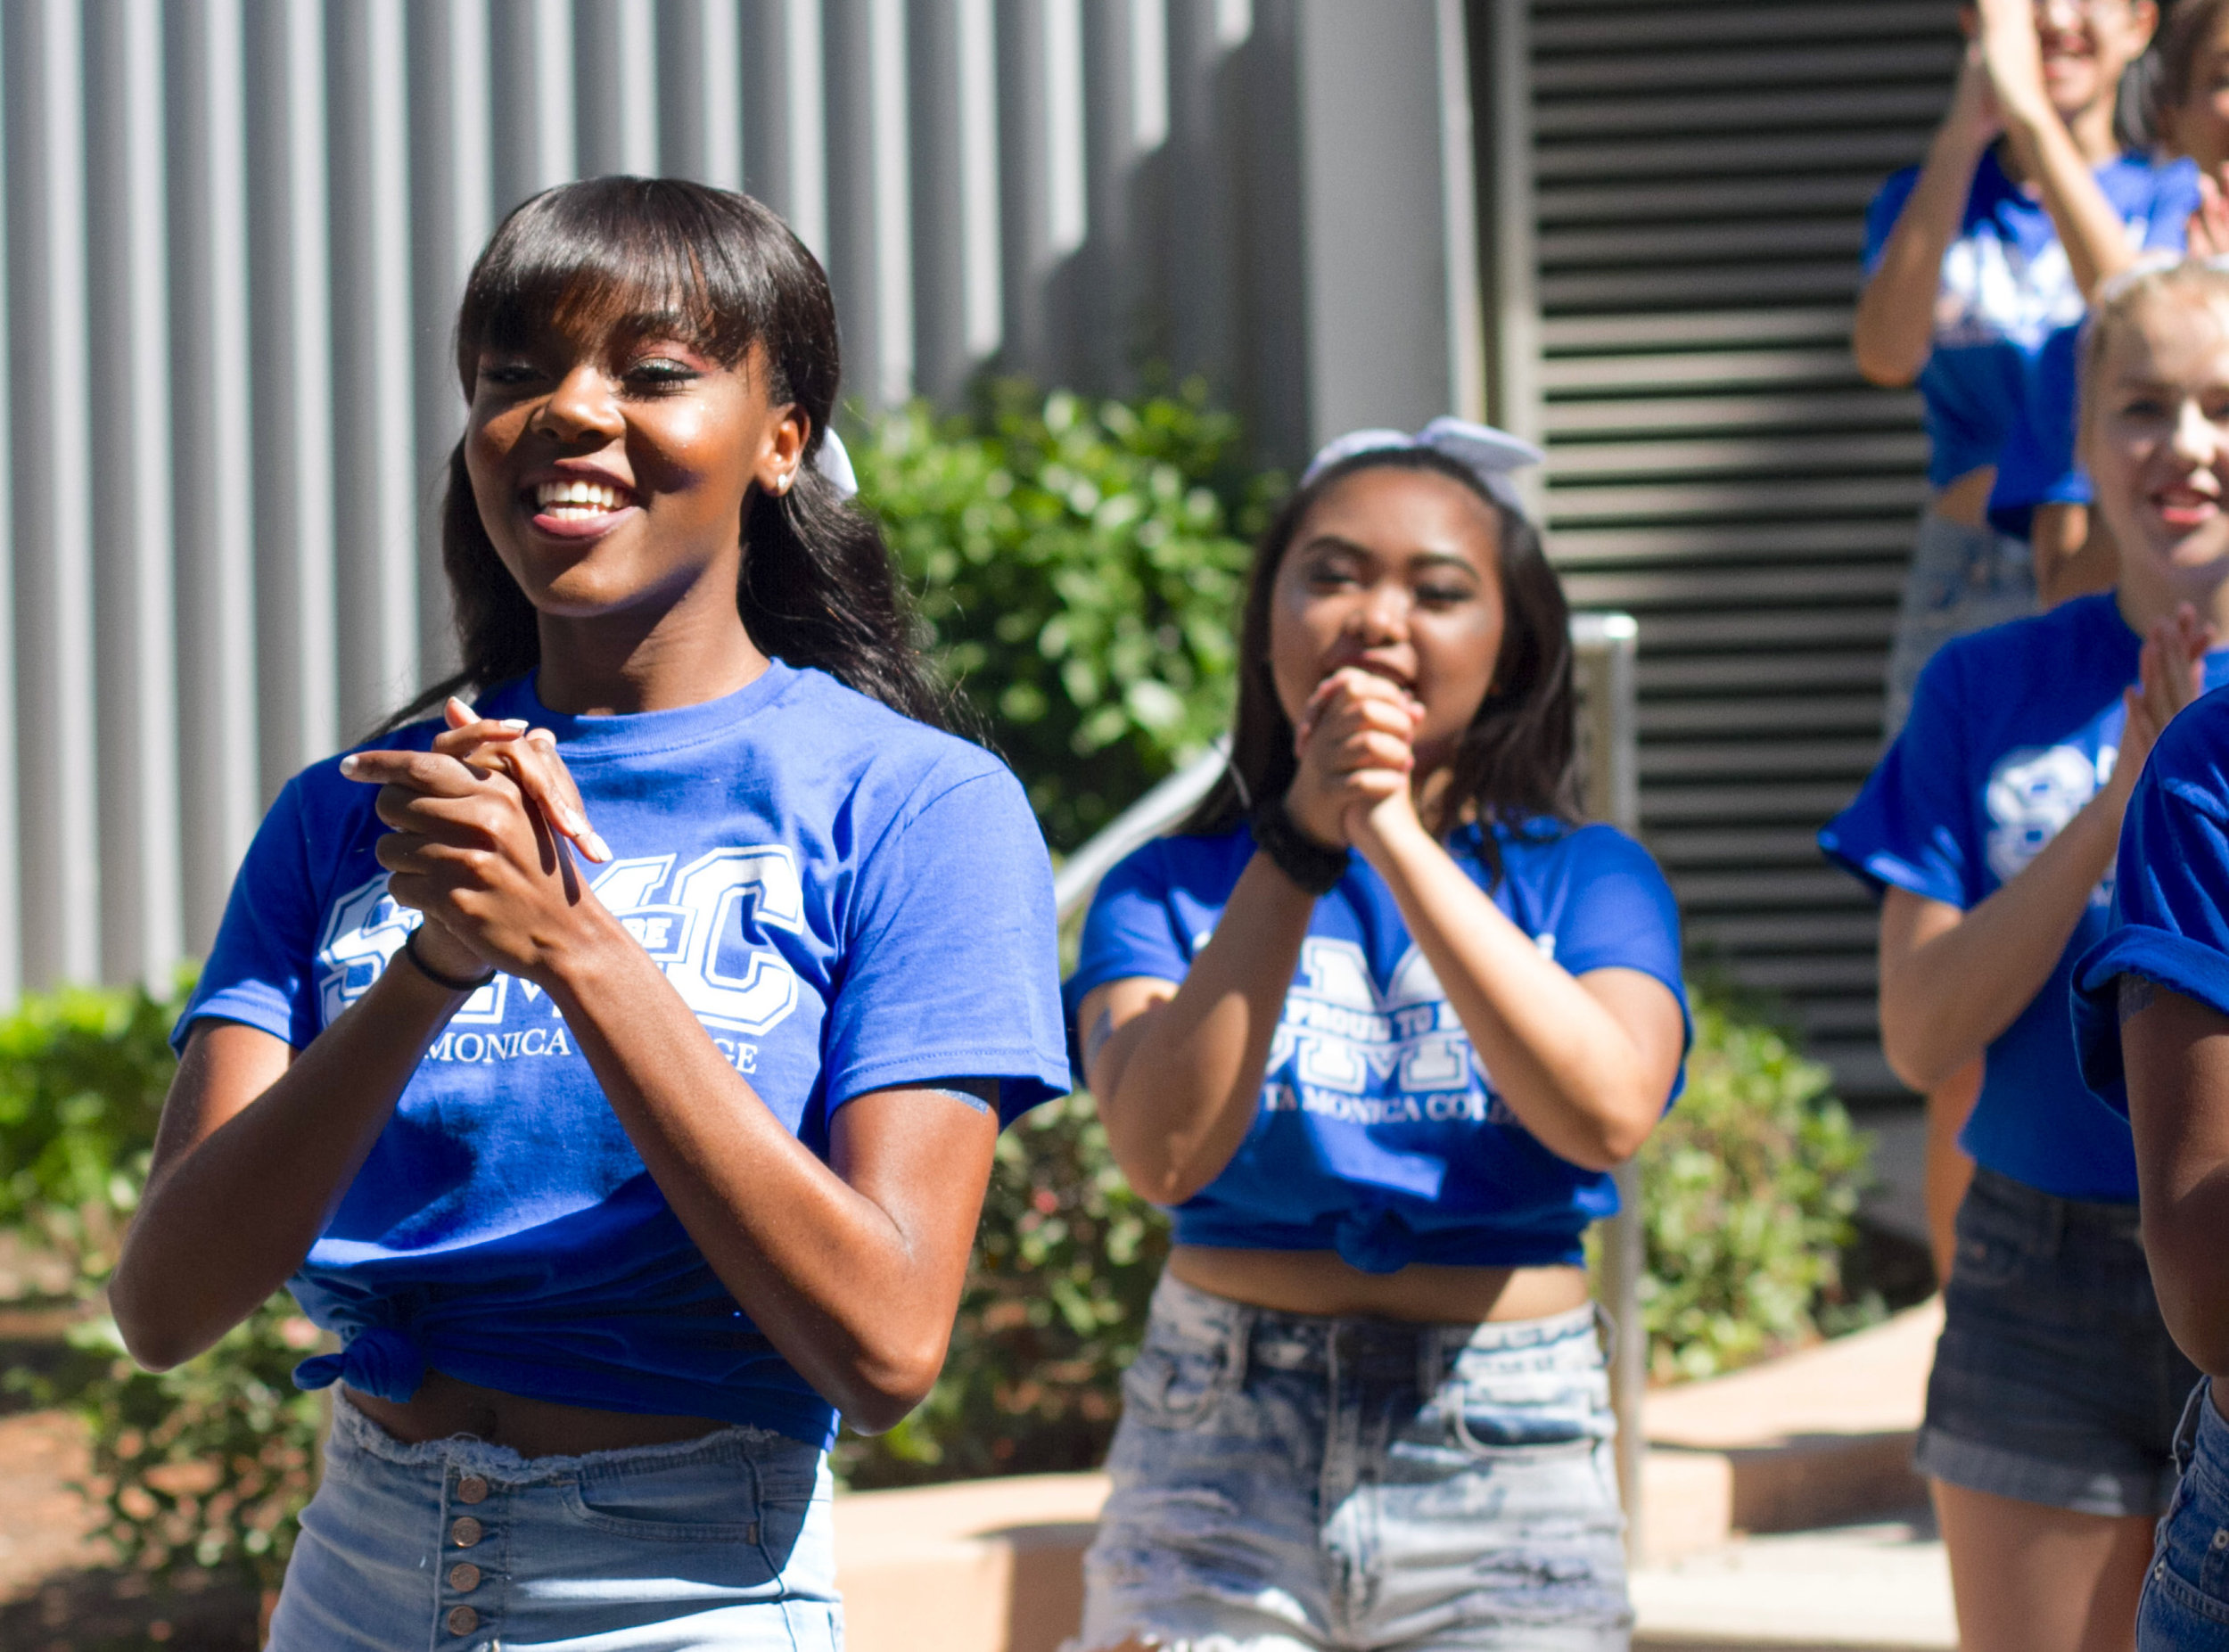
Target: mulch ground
<point>56,1595</point>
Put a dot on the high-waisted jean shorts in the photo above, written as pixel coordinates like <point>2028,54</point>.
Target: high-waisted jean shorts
<point>2185,1606</point>
<point>723,1542</point>
<point>1287,1483</point>
<point>1962,580</point>
<point>2055,1381</point>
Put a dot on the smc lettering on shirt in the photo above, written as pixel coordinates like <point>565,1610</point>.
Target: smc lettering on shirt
<point>1379,1134</point>
<point>697,924</point>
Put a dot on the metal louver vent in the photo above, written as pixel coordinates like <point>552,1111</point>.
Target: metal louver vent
<point>1716,467</point>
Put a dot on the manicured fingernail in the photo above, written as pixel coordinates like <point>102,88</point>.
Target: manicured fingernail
<point>348,764</point>
<point>598,850</point>
<point>464,706</point>
<point>514,722</point>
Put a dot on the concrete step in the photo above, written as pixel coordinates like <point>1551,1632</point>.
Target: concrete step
<point>1877,1587</point>
<point>1812,1440</point>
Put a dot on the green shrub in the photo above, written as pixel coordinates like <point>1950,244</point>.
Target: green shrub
<point>1066,1259</point>
<point>1080,565</point>
<point>1749,1187</point>
<point>204,1466</point>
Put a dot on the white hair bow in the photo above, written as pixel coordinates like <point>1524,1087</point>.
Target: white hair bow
<point>834,461</point>
<point>1486,453</point>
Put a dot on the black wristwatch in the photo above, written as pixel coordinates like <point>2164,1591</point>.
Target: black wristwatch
<point>1316,868</point>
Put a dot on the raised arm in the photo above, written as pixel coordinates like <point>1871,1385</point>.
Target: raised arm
<point>1894,331</point>
<point>2096,240</point>
<point>1952,981</point>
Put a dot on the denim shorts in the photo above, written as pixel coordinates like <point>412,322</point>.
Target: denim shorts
<point>1285,1482</point>
<point>2055,1381</point>
<point>1962,580</point>
<point>721,1542</point>
<point>2185,1606</point>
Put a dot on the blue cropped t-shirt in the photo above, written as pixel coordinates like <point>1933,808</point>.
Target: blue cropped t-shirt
<point>2170,921</point>
<point>2012,731</point>
<point>1998,387</point>
<point>849,901</point>
<point>1379,1134</point>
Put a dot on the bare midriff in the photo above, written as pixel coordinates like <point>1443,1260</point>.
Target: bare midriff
<point>444,1407</point>
<point>1319,1282</point>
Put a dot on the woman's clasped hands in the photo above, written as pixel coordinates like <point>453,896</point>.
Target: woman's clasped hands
<point>1355,746</point>
<point>479,828</point>
<point>2170,673</point>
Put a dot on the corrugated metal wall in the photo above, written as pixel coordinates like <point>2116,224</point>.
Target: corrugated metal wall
<point>1676,299</point>
<point>235,230</point>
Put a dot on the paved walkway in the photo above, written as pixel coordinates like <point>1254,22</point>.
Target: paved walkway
<point>1882,1585</point>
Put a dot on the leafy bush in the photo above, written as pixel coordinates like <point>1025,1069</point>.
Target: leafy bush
<point>1066,1259</point>
<point>1080,565</point>
<point>205,1464</point>
<point>1748,1189</point>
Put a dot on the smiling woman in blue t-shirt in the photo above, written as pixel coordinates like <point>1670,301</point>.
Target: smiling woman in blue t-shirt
<point>1378,1024</point>
<point>1989,830</point>
<point>615,1068</point>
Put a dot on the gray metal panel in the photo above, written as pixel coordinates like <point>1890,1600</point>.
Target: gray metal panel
<point>1717,467</point>
<point>291,351</point>
<point>219,792</point>
<point>136,677</point>
<point>375,437</point>
<point>51,457</point>
<point>244,225</point>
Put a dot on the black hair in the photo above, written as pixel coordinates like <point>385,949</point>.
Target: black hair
<point>2189,25</point>
<point>819,587</point>
<point>1516,762</point>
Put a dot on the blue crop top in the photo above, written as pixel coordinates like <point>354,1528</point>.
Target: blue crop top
<point>1997,387</point>
<point>848,901</point>
<point>2012,730</point>
<point>2170,922</point>
<point>1380,1136</point>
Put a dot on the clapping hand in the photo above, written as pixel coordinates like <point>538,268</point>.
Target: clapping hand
<point>2170,673</point>
<point>480,824</point>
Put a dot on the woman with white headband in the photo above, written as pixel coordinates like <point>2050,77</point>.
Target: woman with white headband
<point>615,1068</point>
<point>1988,834</point>
<point>1377,1024</point>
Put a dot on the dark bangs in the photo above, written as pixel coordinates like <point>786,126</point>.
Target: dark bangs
<point>716,269</point>
<point>817,586</point>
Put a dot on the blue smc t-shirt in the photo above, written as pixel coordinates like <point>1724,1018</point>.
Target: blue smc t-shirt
<point>848,901</point>
<point>2012,730</point>
<point>2008,291</point>
<point>1380,1135</point>
<point>2170,891</point>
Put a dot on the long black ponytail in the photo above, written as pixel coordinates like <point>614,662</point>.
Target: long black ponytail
<point>819,586</point>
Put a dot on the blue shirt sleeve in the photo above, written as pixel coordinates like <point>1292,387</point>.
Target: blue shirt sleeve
<point>2174,197</point>
<point>1910,826</point>
<point>1131,928</point>
<point>2170,897</point>
<point>260,971</point>
<point>1621,913</point>
<point>953,964</point>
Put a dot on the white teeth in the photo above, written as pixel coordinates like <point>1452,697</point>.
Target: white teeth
<point>594,495</point>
